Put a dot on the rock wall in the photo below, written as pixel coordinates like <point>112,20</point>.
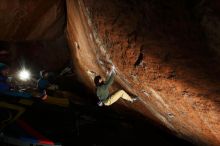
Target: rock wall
<point>31,20</point>
<point>32,33</point>
<point>161,54</point>
<point>207,12</point>
<point>166,52</point>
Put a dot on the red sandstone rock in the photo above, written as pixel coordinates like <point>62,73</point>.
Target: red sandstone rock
<point>31,20</point>
<point>162,50</point>
<point>160,54</point>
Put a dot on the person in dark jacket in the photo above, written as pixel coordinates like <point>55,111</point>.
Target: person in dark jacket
<point>102,90</point>
<point>43,84</point>
<point>5,87</point>
<point>3,77</point>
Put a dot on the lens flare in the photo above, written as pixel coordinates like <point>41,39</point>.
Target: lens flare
<point>24,75</point>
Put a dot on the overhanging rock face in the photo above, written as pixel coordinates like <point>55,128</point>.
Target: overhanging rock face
<point>164,52</point>
<point>32,32</point>
<point>31,20</point>
<point>160,54</point>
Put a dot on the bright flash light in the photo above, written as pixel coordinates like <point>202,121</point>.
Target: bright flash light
<point>24,75</point>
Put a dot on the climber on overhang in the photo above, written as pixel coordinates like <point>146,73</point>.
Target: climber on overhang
<point>102,90</point>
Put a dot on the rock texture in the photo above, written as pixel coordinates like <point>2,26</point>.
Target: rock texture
<point>31,20</point>
<point>207,12</point>
<point>166,52</point>
<point>161,53</point>
<point>32,34</point>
